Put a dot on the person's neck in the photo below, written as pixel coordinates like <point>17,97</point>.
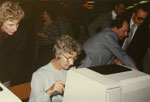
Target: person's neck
<point>55,64</point>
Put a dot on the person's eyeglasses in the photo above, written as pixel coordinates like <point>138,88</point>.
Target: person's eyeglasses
<point>70,58</point>
<point>140,18</point>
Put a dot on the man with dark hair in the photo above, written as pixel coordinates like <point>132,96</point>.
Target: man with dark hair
<point>135,44</point>
<point>105,19</point>
<point>103,48</point>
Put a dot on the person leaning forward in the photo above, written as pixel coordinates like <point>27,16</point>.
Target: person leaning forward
<point>103,48</point>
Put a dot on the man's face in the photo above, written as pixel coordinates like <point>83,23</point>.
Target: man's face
<point>66,60</point>
<point>139,17</point>
<point>119,9</point>
<point>122,32</point>
<point>45,16</point>
<point>10,27</point>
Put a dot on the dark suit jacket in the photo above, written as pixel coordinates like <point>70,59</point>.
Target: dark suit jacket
<point>138,46</point>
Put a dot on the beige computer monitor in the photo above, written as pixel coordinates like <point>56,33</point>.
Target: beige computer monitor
<point>7,96</point>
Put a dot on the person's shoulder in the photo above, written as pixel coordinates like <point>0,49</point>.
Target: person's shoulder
<point>41,72</point>
<point>99,34</point>
<point>108,33</point>
<point>43,69</point>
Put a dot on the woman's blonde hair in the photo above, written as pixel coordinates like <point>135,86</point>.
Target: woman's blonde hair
<point>10,11</point>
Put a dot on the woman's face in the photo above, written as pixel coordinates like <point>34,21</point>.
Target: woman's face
<point>66,60</point>
<point>10,27</point>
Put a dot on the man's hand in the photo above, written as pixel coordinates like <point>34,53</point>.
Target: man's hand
<point>57,86</point>
<point>117,61</point>
<point>135,68</point>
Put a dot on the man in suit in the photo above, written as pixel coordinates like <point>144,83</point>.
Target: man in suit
<point>103,48</point>
<point>137,46</point>
<point>105,19</point>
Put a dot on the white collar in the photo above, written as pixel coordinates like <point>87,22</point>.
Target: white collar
<point>131,23</point>
<point>114,15</point>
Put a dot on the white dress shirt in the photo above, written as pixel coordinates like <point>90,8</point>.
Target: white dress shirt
<point>114,15</point>
<point>128,40</point>
<point>135,28</point>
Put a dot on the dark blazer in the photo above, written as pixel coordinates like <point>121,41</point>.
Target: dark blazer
<point>138,46</point>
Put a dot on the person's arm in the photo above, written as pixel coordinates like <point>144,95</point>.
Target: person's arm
<point>117,61</point>
<point>118,52</point>
<point>38,94</point>
<point>42,35</point>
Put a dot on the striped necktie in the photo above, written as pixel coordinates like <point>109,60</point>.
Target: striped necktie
<point>129,38</point>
